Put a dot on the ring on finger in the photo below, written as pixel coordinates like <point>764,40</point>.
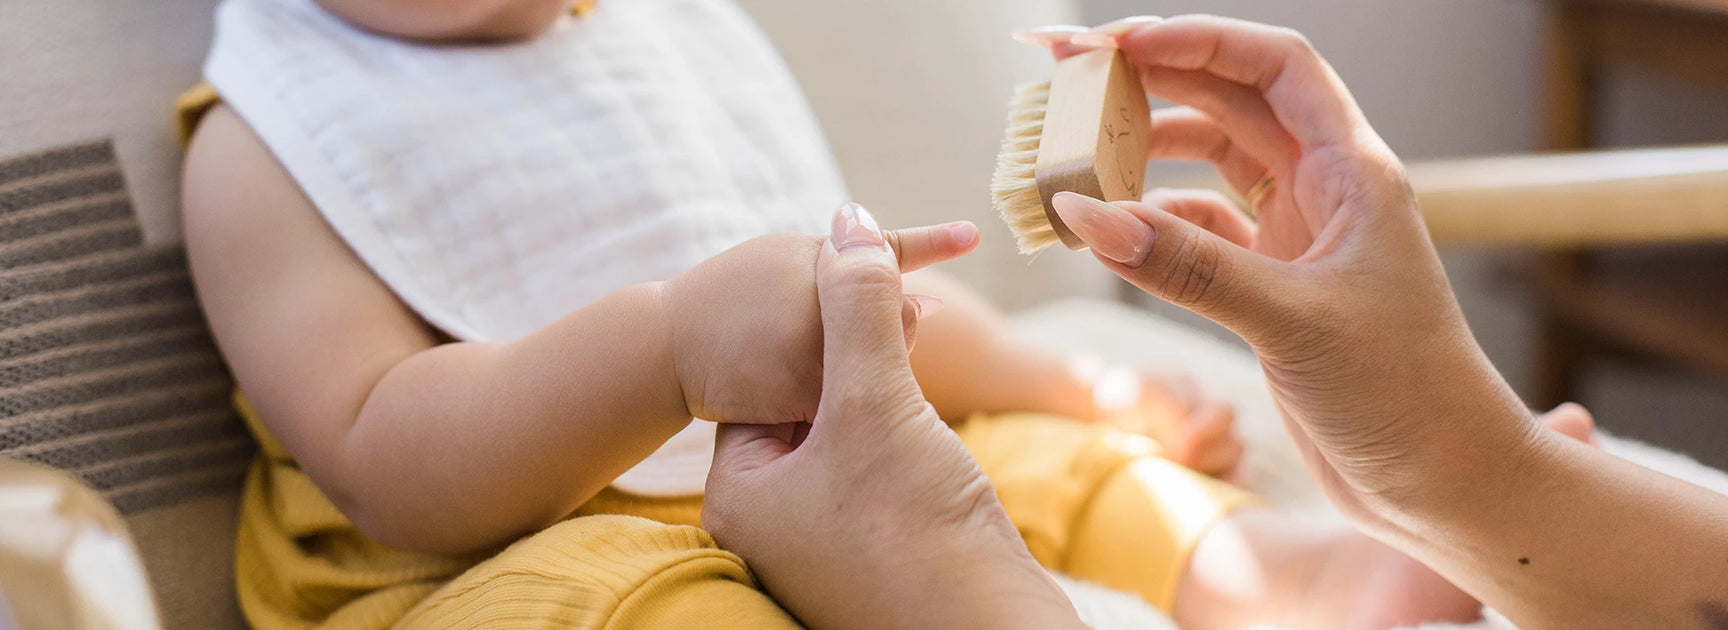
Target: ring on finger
<point>1259,193</point>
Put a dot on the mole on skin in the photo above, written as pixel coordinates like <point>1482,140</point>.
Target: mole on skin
<point>1715,615</point>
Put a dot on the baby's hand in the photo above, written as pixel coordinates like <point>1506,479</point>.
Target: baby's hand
<point>746,334</point>
<point>1194,430</point>
<point>745,329</point>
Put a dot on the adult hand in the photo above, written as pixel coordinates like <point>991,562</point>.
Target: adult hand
<point>745,333</point>
<point>1408,427</point>
<point>1337,287</point>
<point>873,514</point>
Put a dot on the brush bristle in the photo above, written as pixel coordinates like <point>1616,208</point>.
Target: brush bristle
<point>1014,187</point>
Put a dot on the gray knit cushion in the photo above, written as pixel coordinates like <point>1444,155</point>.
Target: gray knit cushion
<point>106,367</point>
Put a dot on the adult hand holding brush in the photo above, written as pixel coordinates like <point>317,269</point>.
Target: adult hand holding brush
<point>1337,287</point>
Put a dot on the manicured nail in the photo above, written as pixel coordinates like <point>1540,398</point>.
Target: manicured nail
<point>963,233</point>
<point>854,226</point>
<point>1121,27</point>
<point>927,304</point>
<point>1109,230</point>
<point>1093,40</point>
<point>1047,36</point>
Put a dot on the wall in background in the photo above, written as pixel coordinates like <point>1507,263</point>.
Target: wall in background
<point>1437,77</point>
<point>912,95</point>
<point>55,89</point>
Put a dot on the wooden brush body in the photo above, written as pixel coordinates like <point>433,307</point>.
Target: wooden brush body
<point>1096,133</point>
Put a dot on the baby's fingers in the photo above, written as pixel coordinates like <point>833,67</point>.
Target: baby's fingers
<point>921,247</point>
<point>1213,446</point>
<point>913,307</point>
<point>1219,460</point>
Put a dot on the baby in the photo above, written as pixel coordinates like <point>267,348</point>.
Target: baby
<point>477,266</point>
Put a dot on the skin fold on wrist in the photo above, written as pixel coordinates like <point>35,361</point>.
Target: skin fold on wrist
<point>665,352</point>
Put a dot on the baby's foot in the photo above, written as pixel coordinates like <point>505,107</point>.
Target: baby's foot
<point>1262,568</point>
<point>1573,421</point>
<point>1258,567</point>
<point>1397,591</point>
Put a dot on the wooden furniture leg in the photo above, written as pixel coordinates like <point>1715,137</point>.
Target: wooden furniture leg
<point>1570,85</point>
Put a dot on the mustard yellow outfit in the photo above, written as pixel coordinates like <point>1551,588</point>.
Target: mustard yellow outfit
<point>1090,501</point>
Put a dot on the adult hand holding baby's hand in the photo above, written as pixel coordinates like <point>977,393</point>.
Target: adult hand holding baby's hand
<point>874,514</point>
<point>1337,287</point>
<point>744,328</point>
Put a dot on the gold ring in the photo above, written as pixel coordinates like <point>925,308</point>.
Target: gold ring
<point>1258,193</point>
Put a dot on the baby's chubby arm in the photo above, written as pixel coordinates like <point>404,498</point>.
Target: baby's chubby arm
<point>968,361</point>
<point>451,447</point>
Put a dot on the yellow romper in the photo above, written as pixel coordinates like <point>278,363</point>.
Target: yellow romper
<point>1092,502</point>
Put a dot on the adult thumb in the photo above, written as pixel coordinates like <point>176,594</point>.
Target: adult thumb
<point>864,348</point>
<point>1180,262</point>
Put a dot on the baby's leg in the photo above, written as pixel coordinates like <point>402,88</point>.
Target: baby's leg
<point>1260,567</point>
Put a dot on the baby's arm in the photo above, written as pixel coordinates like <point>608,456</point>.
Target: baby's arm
<point>458,446</point>
<point>967,361</point>
<point>430,447</point>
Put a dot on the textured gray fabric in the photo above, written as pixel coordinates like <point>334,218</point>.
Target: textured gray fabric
<point>106,368</point>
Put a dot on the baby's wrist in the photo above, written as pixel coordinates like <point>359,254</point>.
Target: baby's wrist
<point>664,347</point>
<point>1090,388</point>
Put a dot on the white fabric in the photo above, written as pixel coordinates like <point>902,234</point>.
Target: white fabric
<point>496,188</point>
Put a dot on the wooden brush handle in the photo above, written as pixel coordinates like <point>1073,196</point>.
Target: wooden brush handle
<point>1096,131</point>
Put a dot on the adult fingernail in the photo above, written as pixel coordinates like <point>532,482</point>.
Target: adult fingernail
<point>1047,36</point>
<point>854,226</point>
<point>1093,40</point>
<point>1121,27</point>
<point>1109,230</point>
<point>927,304</point>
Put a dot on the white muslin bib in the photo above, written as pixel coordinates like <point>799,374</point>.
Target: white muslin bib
<point>496,188</point>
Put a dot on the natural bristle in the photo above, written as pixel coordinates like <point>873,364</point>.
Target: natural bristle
<point>1014,187</point>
